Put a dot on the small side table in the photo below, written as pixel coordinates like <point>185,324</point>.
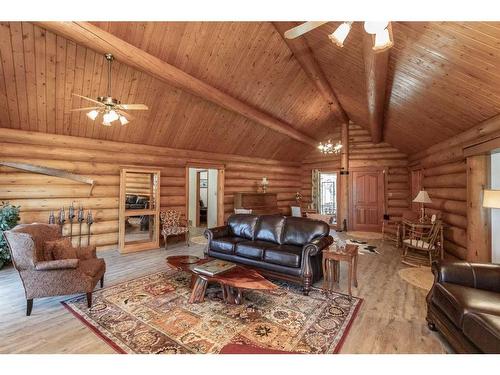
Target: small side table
<point>331,265</point>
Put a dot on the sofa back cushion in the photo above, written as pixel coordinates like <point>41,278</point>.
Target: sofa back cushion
<point>299,231</point>
<point>270,228</point>
<point>243,225</point>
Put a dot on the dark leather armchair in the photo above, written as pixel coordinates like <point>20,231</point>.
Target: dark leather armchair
<point>464,305</point>
<point>284,247</point>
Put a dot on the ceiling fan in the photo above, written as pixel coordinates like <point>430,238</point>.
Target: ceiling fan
<point>108,107</point>
<point>381,30</point>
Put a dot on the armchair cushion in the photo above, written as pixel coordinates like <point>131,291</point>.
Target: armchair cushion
<point>93,267</point>
<point>86,252</point>
<point>59,249</point>
<point>57,264</point>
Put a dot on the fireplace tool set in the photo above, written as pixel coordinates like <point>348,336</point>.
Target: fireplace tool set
<point>80,219</point>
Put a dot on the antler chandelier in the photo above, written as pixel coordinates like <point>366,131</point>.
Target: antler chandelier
<point>329,147</point>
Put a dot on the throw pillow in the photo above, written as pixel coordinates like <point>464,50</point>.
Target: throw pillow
<point>59,249</point>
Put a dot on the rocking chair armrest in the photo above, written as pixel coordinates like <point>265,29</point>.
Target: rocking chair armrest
<point>57,264</point>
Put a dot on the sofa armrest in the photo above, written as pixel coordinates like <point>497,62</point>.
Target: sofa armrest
<point>217,232</point>
<point>484,276</point>
<point>314,247</point>
<point>86,252</point>
<point>57,264</point>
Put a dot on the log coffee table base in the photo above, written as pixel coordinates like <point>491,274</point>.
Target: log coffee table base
<point>230,295</point>
<point>232,282</point>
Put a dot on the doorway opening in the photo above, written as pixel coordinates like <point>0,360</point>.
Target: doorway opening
<point>328,194</point>
<point>203,203</point>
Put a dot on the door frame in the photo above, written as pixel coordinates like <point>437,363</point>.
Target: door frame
<point>220,187</point>
<point>337,190</point>
<point>381,197</point>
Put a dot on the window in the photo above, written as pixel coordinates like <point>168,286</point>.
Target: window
<point>328,194</point>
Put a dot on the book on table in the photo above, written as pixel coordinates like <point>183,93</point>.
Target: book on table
<point>214,267</point>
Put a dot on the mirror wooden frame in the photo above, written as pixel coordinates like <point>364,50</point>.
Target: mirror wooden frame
<point>124,213</point>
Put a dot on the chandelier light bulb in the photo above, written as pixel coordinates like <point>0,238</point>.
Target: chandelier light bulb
<point>92,114</point>
<point>375,27</point>
<point>340,34</point>
<point>106,123</point>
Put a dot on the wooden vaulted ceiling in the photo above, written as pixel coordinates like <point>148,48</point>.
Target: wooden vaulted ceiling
<point>443,79</point>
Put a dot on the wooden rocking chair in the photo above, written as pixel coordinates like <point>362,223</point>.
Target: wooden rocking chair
<point>172,224</point>
<point>422,238</point>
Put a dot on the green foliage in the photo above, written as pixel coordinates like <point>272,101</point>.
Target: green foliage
<point>9,216</point>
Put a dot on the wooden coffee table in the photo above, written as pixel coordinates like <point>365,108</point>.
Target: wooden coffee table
<point>232,282</point>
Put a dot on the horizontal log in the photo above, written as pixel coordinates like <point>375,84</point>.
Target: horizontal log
<point>378,163</point>
<point>377,156</point>
<point>403,171</point>
<point>457,180</point>
<point>451,155</point>
<point>43,216</point>
<point>56,203</point>
<point>397,186</point>
<point>457,194</point>
<point>395,194</point>
<point>456,235</point>
<point>397,178</point>
<point>256,183</point>
<point>96,228</point>
<point>232,174</point>
<point>455,220</point>
<point>398,203</point>
<point>451,168</point>
<point>454,207</point>
<point>455,249</point>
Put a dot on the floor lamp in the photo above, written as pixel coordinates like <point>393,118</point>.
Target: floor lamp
<point>422,198</point>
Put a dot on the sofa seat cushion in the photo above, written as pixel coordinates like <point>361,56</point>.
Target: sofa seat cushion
<point>225,244</point>
<point>284,255</point>
<point>252,249</point>
<point>456,300</point>
<point>483,330</point>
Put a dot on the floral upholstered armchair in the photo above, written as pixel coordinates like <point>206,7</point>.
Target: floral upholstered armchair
<point>50,266</point>
<point>172,224</point>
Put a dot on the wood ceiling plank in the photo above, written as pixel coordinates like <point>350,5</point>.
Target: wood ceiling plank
<point>101,41</point>
<point>10,75</point>
<point>30,73</point>
<point>69,85</point>
<point>4,105</point>
<point>60,83</point>
<point>50,80</point>
<point>19,70</point>
<point>40,71</point>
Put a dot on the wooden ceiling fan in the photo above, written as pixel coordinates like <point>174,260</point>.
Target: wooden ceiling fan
<point>382,32</point>
<point>109,108</point>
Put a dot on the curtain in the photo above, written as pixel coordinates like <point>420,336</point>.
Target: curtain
<point>315,193</point>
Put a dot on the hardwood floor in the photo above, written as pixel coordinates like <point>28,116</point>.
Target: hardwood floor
<point>391,319</point>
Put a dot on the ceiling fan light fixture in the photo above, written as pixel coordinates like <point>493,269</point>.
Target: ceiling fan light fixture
<point>382,40</point>
<point>340,34</point>
<point>110,116</point>
<point>123,120</point>
<point>93,114</point>
<point>375,27</point>
<point>106,123</point>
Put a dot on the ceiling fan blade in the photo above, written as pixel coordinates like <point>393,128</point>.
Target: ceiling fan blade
<point>84,109</point>
<point>89,99</point>
<point>302,29</point>
<point>133,107</point>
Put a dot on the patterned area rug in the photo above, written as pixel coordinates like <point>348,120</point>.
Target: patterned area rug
<point>152,315</point>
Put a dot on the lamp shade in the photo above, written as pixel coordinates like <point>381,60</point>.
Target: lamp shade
<point>491,198</point>
<point>422,197</point>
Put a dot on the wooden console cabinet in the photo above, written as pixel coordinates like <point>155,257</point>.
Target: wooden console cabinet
<point>259,203</point>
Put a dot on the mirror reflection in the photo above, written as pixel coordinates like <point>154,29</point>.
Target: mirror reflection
<point>140,229</point>
<point>139,190</point>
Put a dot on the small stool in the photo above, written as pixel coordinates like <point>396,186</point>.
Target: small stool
<point>331,265</point>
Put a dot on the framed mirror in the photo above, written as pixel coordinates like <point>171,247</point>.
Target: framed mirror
<point>139,209</point>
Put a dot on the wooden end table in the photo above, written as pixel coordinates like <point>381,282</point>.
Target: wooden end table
<point>232,282</point>
<point>331,266</point>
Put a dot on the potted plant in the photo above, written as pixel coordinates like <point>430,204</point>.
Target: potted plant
<point>9,216</point>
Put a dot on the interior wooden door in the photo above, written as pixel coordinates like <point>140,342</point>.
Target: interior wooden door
<point>367,200</point>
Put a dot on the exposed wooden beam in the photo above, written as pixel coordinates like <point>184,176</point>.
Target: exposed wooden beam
<point>376,66</point>
<point>93,37</point>
<point>304,55</point>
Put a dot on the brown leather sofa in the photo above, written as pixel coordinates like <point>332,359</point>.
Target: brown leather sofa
<point>464,305</point>
<point>289,248</point>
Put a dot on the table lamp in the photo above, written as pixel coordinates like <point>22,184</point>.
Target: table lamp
<point>491,199</point>
<point>422,197</point>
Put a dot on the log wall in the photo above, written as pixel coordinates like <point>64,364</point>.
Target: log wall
<point>363,153</point>
<point>101,160</point>
<point>444,169</point>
